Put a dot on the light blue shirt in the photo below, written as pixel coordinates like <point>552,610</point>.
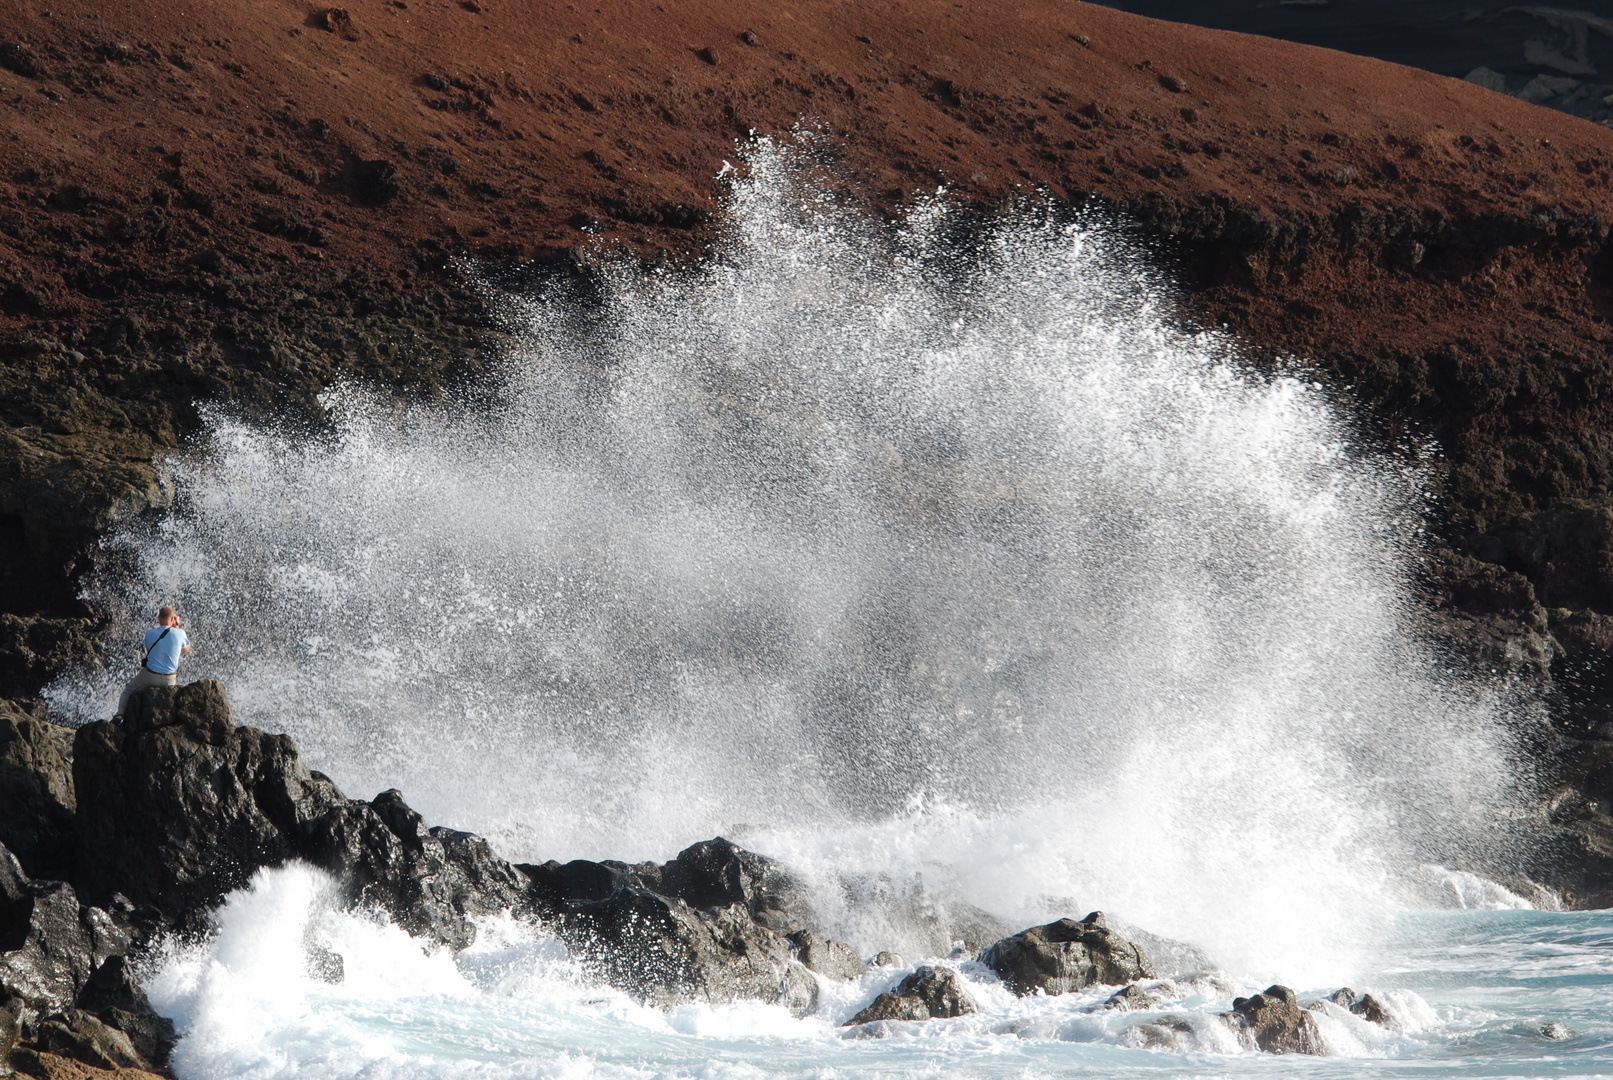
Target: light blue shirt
<point>164,658</point>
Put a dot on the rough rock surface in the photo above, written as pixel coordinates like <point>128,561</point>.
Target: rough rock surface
<point>1273,1021</point>
<point>929,993</point>
<point>1066,955</point>
<point>50,944</point>
<point>1365,1006</point>
<point>664,951</point>
<point>829,958</point>
<point>36,794</point>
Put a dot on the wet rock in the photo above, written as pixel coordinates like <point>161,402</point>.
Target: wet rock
<point>113,996</point>
<point>431,881</point>
<point>929,993</point>
<point>1066,955</point>
<point>1129,997</point>
<point>886,958</point>
<point>582,881</point>
<point>829,958</point>
<point>663,951</point>
<point>36,794</point>
<point>49,942</point>
<point>1363,1005</point>
<point>178,806</point>
<point>1273,1022</point>
<point>1557,1031</point>
<point>716,873</point>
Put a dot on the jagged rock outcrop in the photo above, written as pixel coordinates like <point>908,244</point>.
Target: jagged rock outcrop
<point>1272,1021</point>
<point>1067,955</point>
<point>36,794</point>
<point>929,993</point>
<point>177,806</point>
<point>50,944</point>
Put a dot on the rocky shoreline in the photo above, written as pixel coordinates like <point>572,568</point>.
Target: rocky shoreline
<point>116,836</point>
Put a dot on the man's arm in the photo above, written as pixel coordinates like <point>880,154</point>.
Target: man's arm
<point>185,650</point>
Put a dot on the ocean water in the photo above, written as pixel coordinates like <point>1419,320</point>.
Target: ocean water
<point>1470,993</point>
<point>936,561</point>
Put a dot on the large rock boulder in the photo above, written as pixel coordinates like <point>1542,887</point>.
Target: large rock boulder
<point>929,993</point>
<point>718,873</point>
<point>1273,1021</point>
<point>829,958</point>
<point>36,794</point>
<point>50,944</point>
<point>663,951</point>
<point>177,806</point>
<point>1067,955</point>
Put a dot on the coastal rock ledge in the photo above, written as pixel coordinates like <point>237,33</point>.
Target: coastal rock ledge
<point>119,833</point>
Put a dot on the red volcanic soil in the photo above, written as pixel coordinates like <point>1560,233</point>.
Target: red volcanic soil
<point>240,200</point>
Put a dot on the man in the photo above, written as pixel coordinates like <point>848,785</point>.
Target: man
<point>165,644</point>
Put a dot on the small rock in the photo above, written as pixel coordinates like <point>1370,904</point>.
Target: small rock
<point>865,39</point>
<point>929,993</point>
<point>886,958</point>
<point>1274,1022</point>
<point>435,81</point>
<point>1556,1031</point>
<point>338,21</point>
<point>749,37</point>
<point>1173,84</point>
<point>709,55</point>
<point>471,6</point>
<point>1083,41</point>
<point>1129,997</point>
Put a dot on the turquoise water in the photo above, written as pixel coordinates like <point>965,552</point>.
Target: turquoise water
<point>1470,993</point>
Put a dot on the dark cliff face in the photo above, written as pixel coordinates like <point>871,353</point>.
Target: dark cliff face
<point>242,210</point>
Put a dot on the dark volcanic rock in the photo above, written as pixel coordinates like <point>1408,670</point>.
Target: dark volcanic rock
<point>178,806</point>
<point>36,794</point>
<point>929,993</point>
<point>1067,955</point>
<point>717,873</point>
<point>50,944</point>
<point>666,952</point>
<point>1273,1021</point>
<point>113,996</point>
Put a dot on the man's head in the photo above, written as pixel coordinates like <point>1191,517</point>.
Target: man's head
<point>166,617</point>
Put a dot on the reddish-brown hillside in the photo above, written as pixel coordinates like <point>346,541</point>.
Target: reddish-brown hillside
<point>240,200</point>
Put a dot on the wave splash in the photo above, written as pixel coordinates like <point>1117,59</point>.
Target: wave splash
<point>938,563</point>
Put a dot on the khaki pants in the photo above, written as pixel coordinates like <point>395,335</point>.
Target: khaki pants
<point>146,678</point>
